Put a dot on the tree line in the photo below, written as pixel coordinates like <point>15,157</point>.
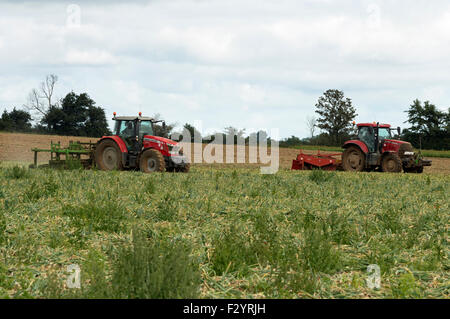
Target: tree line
<point>75,114</point>
<point>429,126</point>
<point>78,115</point>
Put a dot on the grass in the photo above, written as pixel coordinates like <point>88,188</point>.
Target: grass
<point>223,234</point>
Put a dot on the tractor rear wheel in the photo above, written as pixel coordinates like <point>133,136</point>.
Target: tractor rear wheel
<point>152,161</point>
<point>108,156</point>
<point>353,159</point>
<point>391,163</point>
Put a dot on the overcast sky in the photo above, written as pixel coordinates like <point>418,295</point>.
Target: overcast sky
<point>245,63</point>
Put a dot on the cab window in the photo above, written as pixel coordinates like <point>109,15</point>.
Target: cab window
<point>384,133</point>
<point>146,129</point>
<point>365,134</point>
<point>126,128</point>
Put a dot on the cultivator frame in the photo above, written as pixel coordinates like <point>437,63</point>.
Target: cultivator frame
<point>72,154</point>
<point>327,161</point>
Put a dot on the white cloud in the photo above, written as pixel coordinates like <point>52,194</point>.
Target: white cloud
<point>240,63</point>
<point>89,57</point>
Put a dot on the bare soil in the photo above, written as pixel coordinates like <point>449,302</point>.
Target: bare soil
<point>17,147</point>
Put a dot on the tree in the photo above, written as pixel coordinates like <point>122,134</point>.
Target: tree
<point>311,123</point>
<point>41,101</point>
<point>16,120</point>
<point>54,119</point>
<point>425,119</point>
<point>429,126</point>
<point>447,121</point>
<point>158,129</point>
<point>290,141</point>
<point>336,114</point>
<point>75,108</point>
<point>96,124</point>
<point>195,134</point>
<point>234,133</point>
<point>77,116</point>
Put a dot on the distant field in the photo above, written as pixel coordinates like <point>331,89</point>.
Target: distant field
<point>215,233</point>
<point>17,147</point>
<point>427,153</point>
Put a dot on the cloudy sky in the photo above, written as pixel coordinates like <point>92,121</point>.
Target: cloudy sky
<point>246,63</point>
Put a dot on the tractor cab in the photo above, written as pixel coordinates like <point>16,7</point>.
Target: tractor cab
<point>132,129</point>
<point>373,135</point>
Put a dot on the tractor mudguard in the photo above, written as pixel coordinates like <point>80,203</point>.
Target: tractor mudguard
<point>357,143</point>
<point>119,142</point>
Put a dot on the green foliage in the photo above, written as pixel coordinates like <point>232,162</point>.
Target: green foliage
<point>167,208</point>
<point>406,287</point>
<point>37,190</point>
<point>249,235</point>
<point>232,253</point>
<point>143,269</point>
<point>320,176</point>
<point>73,163</point>
<point>6,281</point>
<point>92,216</point>
<point>429,126</point>
<point>155,269</point>
<point>190,130</point>
<point>77,116</point>
<point>150,186</point>
<point>15,120</point>
<point>317,252</point>
<point>16,172</point>
<point>3,234</point>
<point>336,114</point>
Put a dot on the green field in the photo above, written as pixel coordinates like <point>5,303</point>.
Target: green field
<point>231,233</point>
<point>426,153</point>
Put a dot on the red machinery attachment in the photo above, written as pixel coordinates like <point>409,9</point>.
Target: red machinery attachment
<point>317,161</point>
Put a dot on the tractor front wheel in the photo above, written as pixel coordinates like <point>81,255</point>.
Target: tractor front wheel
<point>108,156</point>
<point>391,163</point>
<point>152,161</point>
<point>353,159</point>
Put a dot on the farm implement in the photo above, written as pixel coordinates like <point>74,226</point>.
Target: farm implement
<point>65,157</point>
<point>327,162</point>
<point>372,149</point>
<point>133,145</point>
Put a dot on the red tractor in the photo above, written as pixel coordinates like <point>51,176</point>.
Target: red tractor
<point>374,148</point>
<point>134,146</point>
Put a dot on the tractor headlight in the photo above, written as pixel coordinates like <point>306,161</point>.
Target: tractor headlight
<point>408,153</point>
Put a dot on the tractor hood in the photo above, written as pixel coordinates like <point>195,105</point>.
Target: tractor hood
<point>395,141</point>
<point>160,139</point>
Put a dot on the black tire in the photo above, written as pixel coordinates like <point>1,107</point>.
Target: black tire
<point>185,168</point>
<point>108,156</point>
<point>152,161</point>
<point>419,170</point>
<point>353,159</point>
<point>391,163</point>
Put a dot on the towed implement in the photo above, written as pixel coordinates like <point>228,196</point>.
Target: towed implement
<point>327,162</point>
<point>133,145</point>
<point>372,149</point>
